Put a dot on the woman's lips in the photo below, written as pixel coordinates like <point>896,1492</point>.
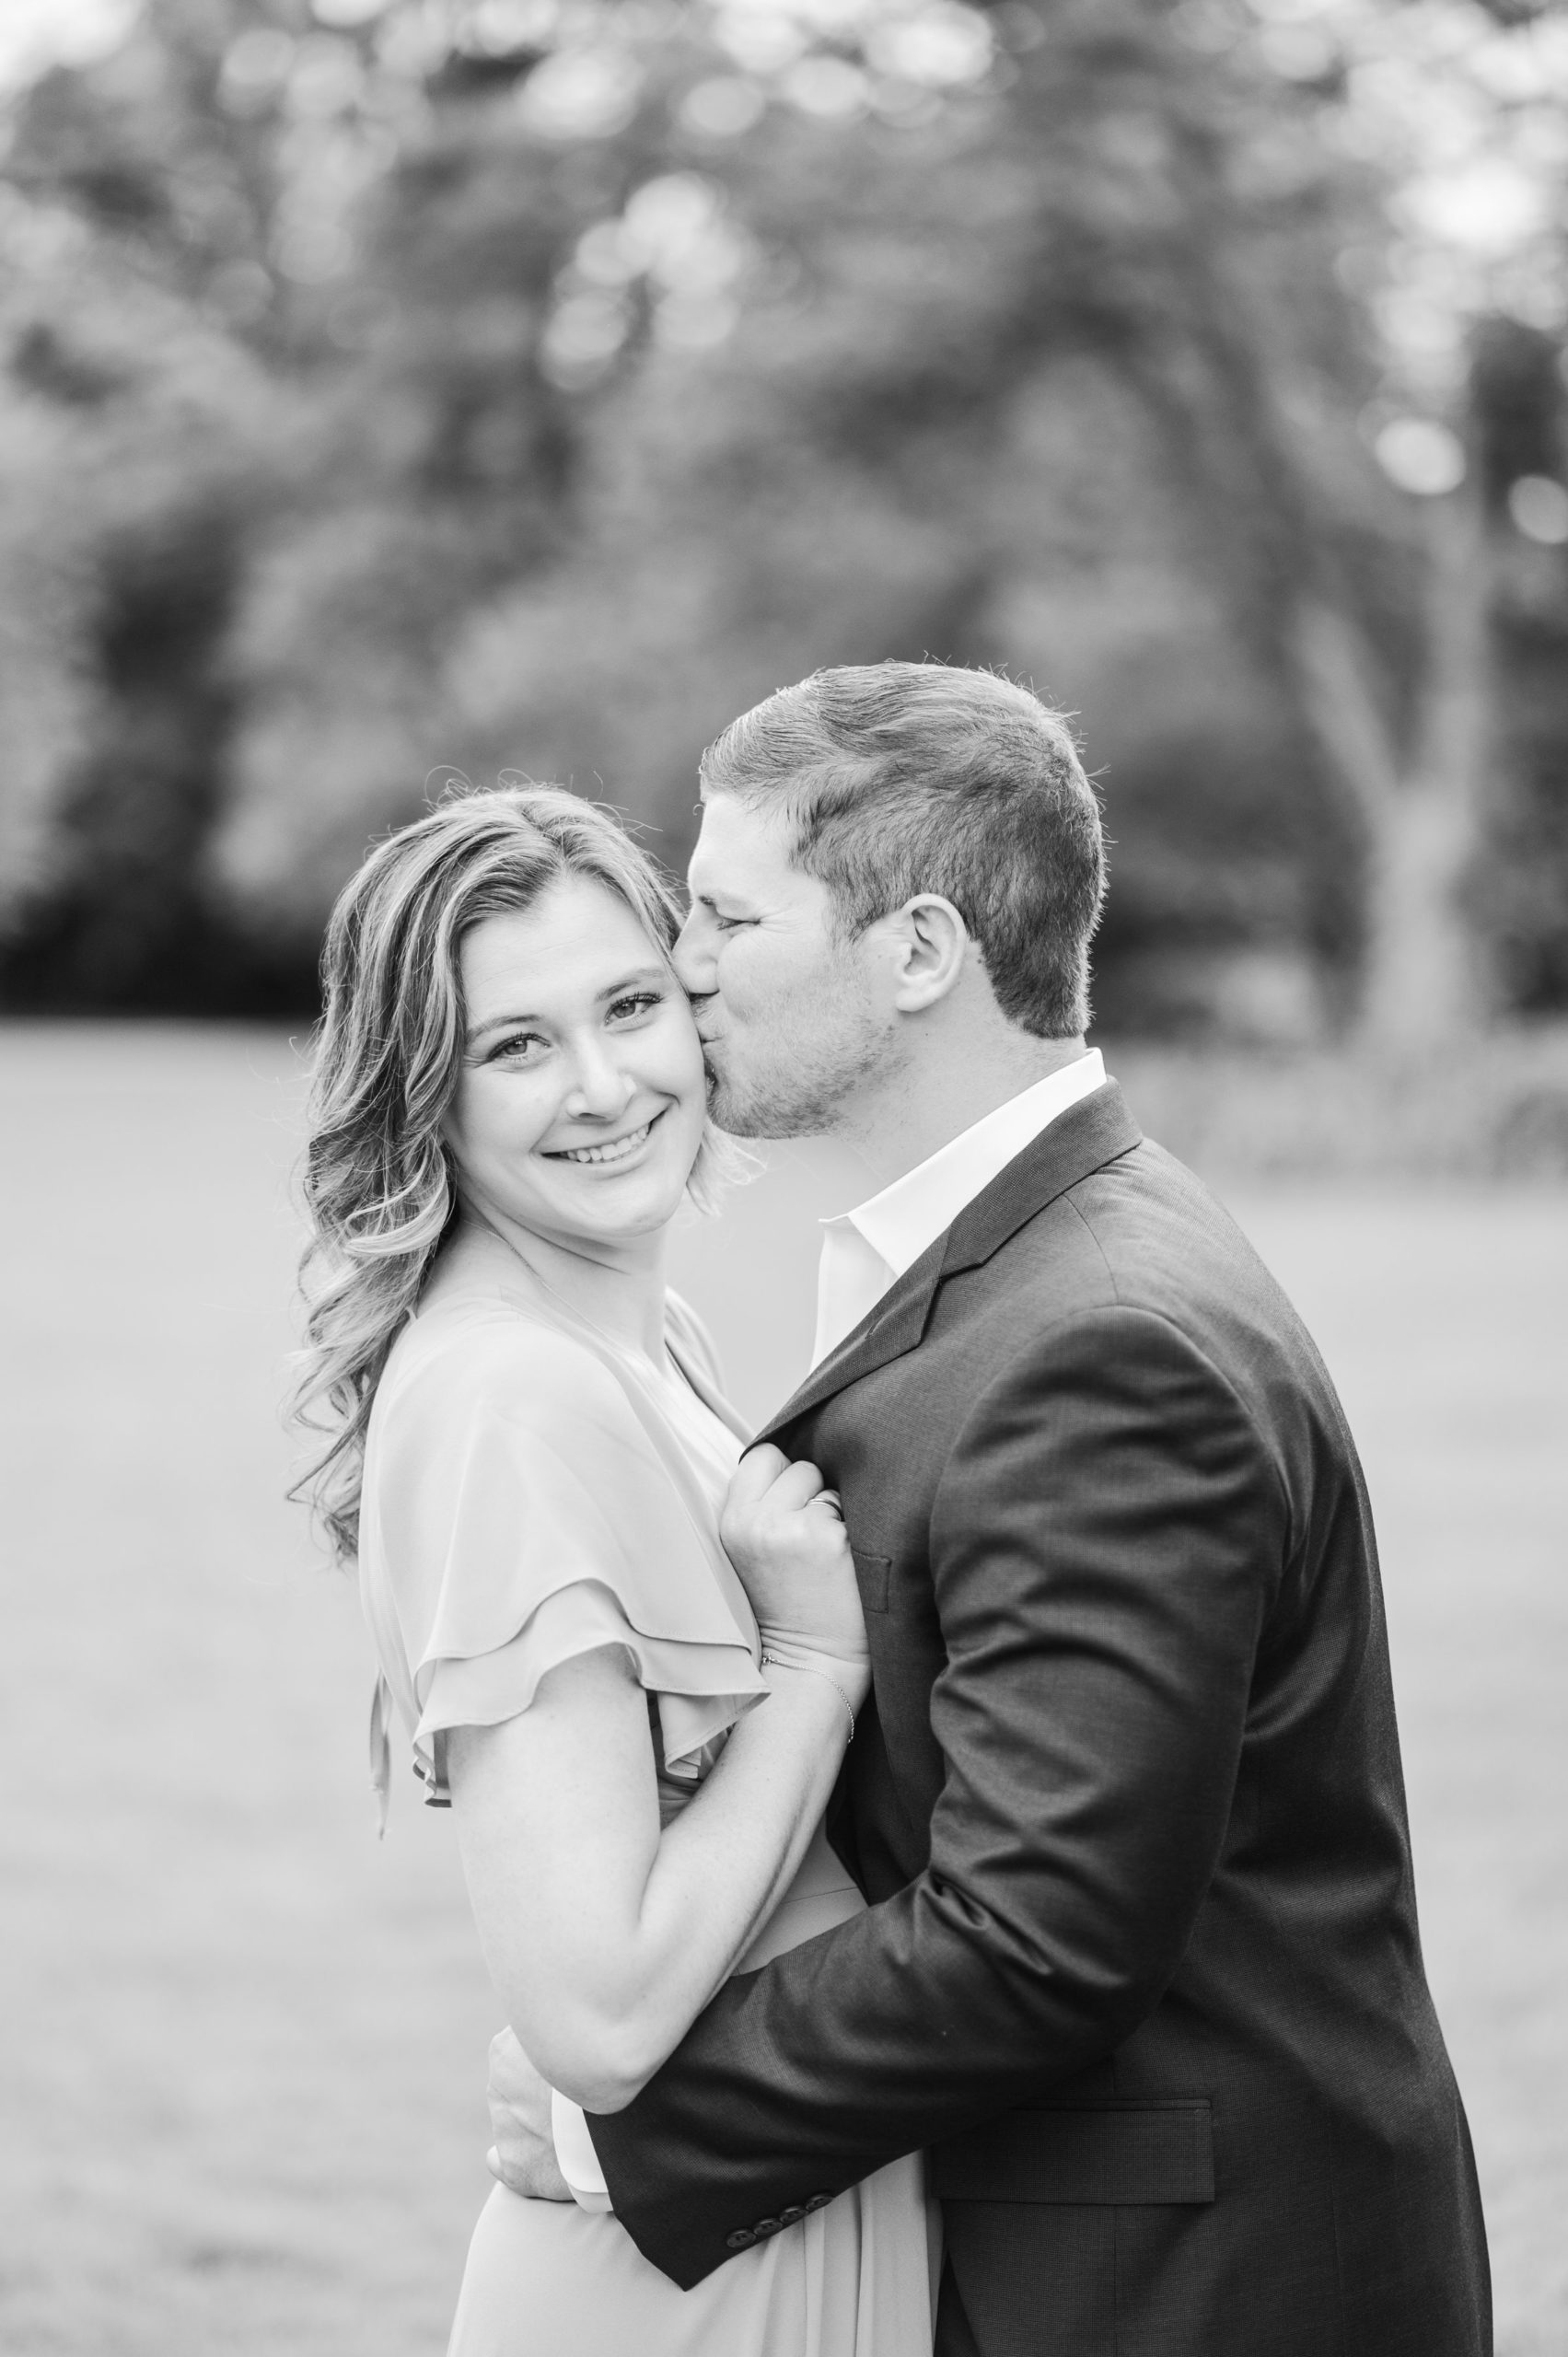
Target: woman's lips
<point>606,1151</point>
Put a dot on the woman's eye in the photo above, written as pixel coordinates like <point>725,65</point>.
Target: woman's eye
<point>515,1047</point>
<point>733,925</point>
<point>635,1002</point>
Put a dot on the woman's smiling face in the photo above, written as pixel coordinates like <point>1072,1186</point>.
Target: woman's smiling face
<point>581,1099</point>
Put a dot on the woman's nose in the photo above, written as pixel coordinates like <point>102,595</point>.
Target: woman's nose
<point>600,1088</point>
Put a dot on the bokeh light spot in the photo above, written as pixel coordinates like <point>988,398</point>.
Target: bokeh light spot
<point>581,94</point>
<point>1540,509</point>
<point>827,86</point>
<point>584,335</point>
<point>1422,456</point>
<point>344,15</point>
<point>940,46</point>
<point>723,107</point>
<point>258,60</point>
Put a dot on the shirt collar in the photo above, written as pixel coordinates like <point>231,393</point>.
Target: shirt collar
<point>904,1218</point>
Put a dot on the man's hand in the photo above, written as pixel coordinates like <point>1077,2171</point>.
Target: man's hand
<point>523,2155</point>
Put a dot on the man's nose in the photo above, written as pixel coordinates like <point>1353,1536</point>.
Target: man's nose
<point>692,957</point>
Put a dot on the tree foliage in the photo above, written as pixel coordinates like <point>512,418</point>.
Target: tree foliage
<point>513,384</point>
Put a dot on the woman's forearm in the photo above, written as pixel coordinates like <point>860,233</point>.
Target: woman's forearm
<point>604,1938</point>
<point>731,1855</point>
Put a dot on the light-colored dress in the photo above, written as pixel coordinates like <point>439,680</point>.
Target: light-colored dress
<point>532,1491</point>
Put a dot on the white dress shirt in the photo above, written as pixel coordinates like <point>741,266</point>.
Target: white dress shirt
<point>866,1249</point>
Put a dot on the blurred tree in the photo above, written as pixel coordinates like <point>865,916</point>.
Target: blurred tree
<point>1519,896</point>
<point>1466,118</point>
<point>131,547</point>
<point>569,375</point>
<point>122,213</point>
<point>731,363</point>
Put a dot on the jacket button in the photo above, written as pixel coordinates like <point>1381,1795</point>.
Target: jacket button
<point>742,2239</point>
<point>765,2226</point>
<point>793,2214</point>
<point>818,2200</point>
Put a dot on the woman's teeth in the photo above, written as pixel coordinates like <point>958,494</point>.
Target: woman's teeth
<point>616,1151</point>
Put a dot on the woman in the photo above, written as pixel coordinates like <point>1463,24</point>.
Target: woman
<point>530,1459</point>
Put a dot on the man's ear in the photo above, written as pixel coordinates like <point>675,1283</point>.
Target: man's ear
<point>930,943</point>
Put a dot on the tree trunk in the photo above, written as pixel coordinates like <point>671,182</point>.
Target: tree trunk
<point>1424,980</point>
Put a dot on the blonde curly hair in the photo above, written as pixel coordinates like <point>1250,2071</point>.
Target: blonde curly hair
<point>376,1180</point>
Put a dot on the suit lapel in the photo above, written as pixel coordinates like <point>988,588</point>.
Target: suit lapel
<point>1095,1131</point>
<point>889,1328</point>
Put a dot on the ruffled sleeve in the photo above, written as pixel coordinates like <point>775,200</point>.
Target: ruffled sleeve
<point>519,1511</point>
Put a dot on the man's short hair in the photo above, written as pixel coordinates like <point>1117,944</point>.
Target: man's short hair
<point>900,777</point>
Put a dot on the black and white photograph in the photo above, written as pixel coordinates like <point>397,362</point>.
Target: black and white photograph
<point>783,1035</point>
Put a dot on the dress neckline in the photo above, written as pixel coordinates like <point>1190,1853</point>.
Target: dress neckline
<point>504,1270</point>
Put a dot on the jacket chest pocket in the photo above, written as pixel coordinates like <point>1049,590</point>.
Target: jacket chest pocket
<point>874,1574</point>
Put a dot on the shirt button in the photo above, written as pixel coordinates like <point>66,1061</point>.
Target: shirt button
<point>742,2239</point>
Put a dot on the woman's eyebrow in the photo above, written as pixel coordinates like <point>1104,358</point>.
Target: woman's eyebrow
<point>614,990</point>
<point>640,974</point>
<point>499,1022</point>
<point>494,1021</point>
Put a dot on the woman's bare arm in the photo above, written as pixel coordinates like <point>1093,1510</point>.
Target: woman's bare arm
<point>604,1938</point>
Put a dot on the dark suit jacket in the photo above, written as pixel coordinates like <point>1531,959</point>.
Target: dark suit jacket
<point>1142,1967</point>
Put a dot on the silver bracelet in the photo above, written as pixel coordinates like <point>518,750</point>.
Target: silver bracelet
<point>773,1661</point>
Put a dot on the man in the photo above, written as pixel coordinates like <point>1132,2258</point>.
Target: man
<point>1141,1971</point>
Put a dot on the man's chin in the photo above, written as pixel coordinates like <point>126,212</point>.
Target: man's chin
<point>739,1115</point>
<point>733,1114</point>
<point>791,1099</point>
<point>729,1109</point>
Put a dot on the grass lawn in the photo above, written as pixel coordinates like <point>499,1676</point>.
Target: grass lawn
<point>243,2061</point>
